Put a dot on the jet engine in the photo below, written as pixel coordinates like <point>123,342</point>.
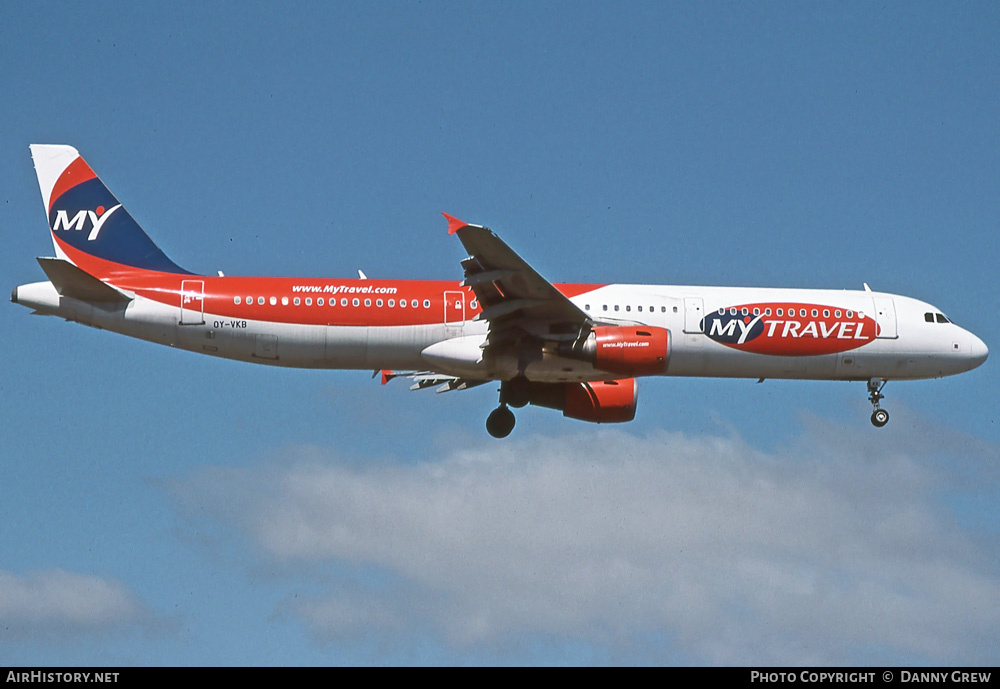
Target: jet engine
<point>605,401</point>
<point>636,350</point>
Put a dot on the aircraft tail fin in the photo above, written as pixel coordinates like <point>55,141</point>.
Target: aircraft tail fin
<point>89,226</point>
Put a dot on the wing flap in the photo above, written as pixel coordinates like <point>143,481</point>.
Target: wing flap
<point>427,379</point>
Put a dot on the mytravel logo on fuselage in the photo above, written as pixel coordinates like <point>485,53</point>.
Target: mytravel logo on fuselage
<point>789,329</point>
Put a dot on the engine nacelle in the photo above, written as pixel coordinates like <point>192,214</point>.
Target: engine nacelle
<point>605,401</point>
<point>634,350</point>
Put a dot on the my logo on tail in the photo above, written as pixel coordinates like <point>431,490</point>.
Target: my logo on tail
<point>97,220</point>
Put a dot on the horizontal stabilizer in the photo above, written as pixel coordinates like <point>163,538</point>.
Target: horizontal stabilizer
<point>71,281</point>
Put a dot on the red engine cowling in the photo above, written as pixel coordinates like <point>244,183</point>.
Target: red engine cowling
<point>636,350</point>
<point>610,401</point>
<point>605,401</point>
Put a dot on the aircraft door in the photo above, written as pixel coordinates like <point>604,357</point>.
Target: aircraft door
<point>192,302</point>
<point>885,316</point>
<point>694,313</point>
<point>454,312</point>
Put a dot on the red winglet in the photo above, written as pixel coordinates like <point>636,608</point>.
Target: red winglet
<point>454,224</point>
<point>387,376</point>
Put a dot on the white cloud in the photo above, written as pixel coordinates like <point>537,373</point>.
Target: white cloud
<point>829,550</point>
<point>60,601</point>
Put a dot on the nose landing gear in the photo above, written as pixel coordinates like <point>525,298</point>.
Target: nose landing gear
<point>880,417</point>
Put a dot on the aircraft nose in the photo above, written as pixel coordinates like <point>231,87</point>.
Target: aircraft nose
<point>978,351</point>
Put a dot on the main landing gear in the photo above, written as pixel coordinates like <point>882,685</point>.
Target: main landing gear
<point>516,393</point>
<point>880,417</point>
<point>500,422</point>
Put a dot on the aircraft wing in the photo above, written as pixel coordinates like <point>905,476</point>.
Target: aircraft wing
<point>515,298</point>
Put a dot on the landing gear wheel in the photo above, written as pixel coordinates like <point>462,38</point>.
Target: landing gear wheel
<point>880,417</point>
<point>500,422</point>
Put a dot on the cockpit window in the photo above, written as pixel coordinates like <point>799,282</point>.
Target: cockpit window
<point>929,317</point>
<point>936,318</point>
<point>941,318</point>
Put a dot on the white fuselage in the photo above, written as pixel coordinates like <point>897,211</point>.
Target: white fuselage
<point>714,331</point>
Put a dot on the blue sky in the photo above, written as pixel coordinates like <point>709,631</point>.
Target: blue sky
<point>163,508</point>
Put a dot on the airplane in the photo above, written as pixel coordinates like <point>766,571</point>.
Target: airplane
<point>575,348</point>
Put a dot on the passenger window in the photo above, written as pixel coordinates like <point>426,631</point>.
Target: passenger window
<point>260,301</point>
<point>343,302</point>
<point>309,301</point>
<point>616,307</point>
<point>355,302</point>
<point>378,303</point>
<point>284,301</point>
<point>274,301</point>
<point>392,303</point>
<point>427,303</point>
<point>237,300</point>
<point>605,307</point>
<point>319,302</point>
<point>628,307</point>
